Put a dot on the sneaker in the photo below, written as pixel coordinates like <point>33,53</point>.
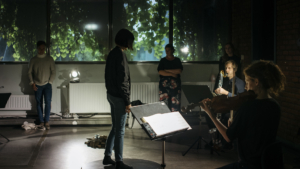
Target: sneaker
<point>47,125</point>
<point>121,165</point>
<point>41,126</point>
<point>107,160</point>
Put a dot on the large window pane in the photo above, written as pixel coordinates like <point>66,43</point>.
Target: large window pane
<point>79,30</point>
<point>149,22</point>
<point>22,24</point>
<point>200,29</point>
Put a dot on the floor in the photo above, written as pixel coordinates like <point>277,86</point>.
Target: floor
<point>64,148</point>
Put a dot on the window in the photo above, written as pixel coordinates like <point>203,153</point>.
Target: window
<point>148,20</point>
<point>22,24</point>
<point>200,29</point>
<point>79,30</point>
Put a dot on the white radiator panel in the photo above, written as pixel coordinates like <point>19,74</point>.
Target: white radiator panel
<point>88,98</point>
<point>145,92</point>
<point>19,102</point>
<point>91,97</point>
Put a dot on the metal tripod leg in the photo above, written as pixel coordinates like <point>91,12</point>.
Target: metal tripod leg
<point>4,137</point>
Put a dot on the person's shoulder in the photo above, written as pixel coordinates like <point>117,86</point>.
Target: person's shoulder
<point>177,59</point>
<point>50,58</point>
<point>236,57</point>
<point>33,58</point>
<point>163,59</point>
<point>238,80</point>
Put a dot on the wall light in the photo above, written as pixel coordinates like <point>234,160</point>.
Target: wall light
<point>74,76</point>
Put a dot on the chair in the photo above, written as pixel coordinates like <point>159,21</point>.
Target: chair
<point>272,156</point>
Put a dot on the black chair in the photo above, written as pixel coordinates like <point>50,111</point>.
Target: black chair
<point>272,156</point>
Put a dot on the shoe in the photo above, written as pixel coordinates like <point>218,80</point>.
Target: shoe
<point>41,126</point>
<point>107,160</point>
<point>121,165</point>
<point>47,125</point>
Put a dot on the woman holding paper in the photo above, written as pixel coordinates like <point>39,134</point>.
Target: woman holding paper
<point>169,70</point>
<point>256,121</point>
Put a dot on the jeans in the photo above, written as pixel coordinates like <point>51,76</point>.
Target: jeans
<point>46,92</point>
<point>116,135</point>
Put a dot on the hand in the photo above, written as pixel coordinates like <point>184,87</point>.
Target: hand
<point>34,87</point>
<point>128,109</point>
<point>174,75</point>
<point>220,90</point>
<point>205,107</point>
<point>229,122</point>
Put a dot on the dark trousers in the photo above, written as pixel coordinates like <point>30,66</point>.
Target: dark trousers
<point>116,136</point>
<point>46,93</point>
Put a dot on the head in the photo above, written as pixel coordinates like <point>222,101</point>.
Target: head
<point>124,38</point>
<point>230,67</point>
<point>169,49</point>
<point>264,76</point>
<point>41,47</point>
<point>229,49</point>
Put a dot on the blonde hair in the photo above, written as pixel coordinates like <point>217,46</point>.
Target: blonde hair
<point>268,74</point>
<point>234,65</point>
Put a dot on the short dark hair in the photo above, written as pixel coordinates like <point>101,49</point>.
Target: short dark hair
<point>171,47</point>
<point>124,38</point>
<point>39,43</point>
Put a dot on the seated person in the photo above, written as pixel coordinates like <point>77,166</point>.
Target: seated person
<point>256,122</point>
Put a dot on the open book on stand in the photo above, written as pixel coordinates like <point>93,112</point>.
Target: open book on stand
<point>165,123</point>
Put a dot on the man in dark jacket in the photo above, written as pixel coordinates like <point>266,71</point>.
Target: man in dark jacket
<point>117,82</point>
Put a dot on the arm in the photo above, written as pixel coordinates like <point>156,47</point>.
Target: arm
<point>52,69</point>
<point>166,73</point>
<point>174,71</point>
<point>122,79</point>
<point>30,72</point>
<point>222,129</point>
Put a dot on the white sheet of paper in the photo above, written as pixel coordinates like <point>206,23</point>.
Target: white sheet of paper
<point>167,123</point>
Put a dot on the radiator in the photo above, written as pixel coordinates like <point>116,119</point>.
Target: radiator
<point>20,102</point>
<point>91,97</point>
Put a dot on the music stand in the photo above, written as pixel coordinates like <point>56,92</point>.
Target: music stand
<point>195,94</point>
<point>3,101</point>
<point>148,110</point>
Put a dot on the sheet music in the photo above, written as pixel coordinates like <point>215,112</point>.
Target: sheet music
<point>166,123</point>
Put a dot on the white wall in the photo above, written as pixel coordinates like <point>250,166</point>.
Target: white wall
<point>15,80</point>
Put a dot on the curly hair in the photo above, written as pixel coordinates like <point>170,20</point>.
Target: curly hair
<point>268,74</point>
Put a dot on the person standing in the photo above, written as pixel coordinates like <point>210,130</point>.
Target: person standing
<point>117,82</point>
<point>228,55</point>
<point>41,75</point>
<point>169,70</point>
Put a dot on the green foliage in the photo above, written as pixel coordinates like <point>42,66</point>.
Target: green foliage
<point>148,23</point>
<point>68,37</point>
<point>22,41</point>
